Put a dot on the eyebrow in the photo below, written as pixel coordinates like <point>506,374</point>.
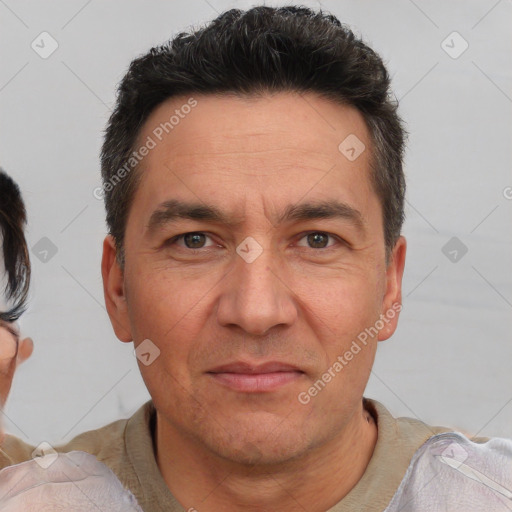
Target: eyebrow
<point>171,210</point>
<point>330,209</point>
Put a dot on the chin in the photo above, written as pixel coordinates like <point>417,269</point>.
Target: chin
<point>256,441</point>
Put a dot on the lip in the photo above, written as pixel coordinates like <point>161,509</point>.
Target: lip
<point>252,378</point>
<point>249,368</point>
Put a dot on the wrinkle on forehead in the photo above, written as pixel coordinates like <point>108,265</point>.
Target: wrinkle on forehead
<point>265,124</point>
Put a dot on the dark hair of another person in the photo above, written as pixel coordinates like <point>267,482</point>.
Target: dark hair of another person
<point>13,218</point>
<point>256,52</point>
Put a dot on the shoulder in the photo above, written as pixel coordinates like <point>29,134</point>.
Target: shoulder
<point>14,451</point>
<point>408,470</point>
<point>450,470</point>
<point>403,433</point>
<point>67,481</point>
<point>107,444</point>
<point>104,443</point>
<point>110,444</point>
<point>398,440</point>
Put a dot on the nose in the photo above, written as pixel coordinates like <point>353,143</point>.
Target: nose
<point>255,296</point>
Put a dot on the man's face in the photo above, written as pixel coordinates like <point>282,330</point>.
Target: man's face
<point>283,191</point>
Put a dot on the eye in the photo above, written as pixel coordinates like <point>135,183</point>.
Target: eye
<point>193,240</point>
<point>317,240</point>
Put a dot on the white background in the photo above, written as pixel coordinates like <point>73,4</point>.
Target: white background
<point>449,362</point>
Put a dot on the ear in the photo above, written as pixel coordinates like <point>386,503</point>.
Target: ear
<point>392,303</point>
<point>114,290</point>
<point>25,349</point>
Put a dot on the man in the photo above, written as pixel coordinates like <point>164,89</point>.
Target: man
<point>254,192</point>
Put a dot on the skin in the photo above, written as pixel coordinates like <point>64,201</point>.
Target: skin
<point>221,449</point>
<point>13,351</point>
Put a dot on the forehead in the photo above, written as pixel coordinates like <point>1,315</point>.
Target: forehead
<point>281,146</point>
<point>304,123</point>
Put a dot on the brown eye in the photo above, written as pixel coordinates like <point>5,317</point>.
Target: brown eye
<point>194,240</point>
<point>318,240</point>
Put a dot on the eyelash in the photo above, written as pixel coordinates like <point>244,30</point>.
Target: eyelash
<point>175,239</point>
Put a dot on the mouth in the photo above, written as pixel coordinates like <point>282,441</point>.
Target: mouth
<point>249,378</point>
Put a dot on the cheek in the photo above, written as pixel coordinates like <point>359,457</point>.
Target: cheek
<point>342,303</point>
<point>171,312</point>
<point>159,301</point>
<point>342,315</point>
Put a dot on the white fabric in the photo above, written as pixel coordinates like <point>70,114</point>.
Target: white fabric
<point>451,473</point>
<point>74,481</point>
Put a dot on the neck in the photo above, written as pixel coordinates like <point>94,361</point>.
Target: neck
<point>315,481</point>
